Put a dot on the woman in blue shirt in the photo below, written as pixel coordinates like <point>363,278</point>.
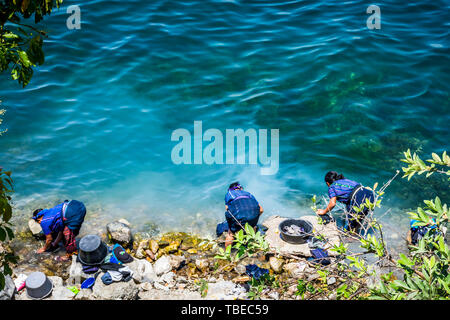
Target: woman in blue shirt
<point>241,208</point>
<point>350,193</point>
<point>62,222</point>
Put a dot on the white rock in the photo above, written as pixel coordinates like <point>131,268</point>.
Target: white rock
<point>202,264</point>
<point>8,291</point>
<point>176,261</point>
<point>224,290</point>
<point>57,281</point>
<point>169,295</point>
<point>296,269</point>
<point>115,291</point>
<point>313,276</point>
<point>34,227</point>
<point>276,264</point>
<point>143,271</point>
<point>125,222</point>
<point>240,269</point>
<point>84,294</point>
<point>331,281</point>
<point>119,232</point>
<point>140,251</point>
<point>168,278</point>
<point>292,290</point>
<point>145,286</point>
<point>274,295</point>
<point>61,293</point>
<point>162,265</point>
<point>160,286</point>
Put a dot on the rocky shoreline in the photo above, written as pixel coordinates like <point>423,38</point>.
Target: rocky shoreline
<point>179,265</point>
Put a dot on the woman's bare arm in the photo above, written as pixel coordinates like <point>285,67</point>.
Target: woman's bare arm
<point>330,207</point>
<point>48,243</point>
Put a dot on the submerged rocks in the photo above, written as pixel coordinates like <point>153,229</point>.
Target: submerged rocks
<point>119,232</point>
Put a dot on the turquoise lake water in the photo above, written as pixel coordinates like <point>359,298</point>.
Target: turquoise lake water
<point>95,122</point>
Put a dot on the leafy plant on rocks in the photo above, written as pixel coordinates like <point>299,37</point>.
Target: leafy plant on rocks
<point>425,270</point>
<point>246,243</point>
<point>6,233</point>
<point>264,283</point>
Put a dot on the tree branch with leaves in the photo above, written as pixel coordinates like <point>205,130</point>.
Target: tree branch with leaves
<point>21,43</point>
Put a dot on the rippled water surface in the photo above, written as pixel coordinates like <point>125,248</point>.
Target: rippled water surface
<point>95,122</point>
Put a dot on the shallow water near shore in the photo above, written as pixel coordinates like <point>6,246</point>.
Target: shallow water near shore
<point>95,122</point>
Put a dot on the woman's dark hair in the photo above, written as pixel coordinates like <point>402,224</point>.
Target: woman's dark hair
<point>35,212</point>
<point>234,185</point>
<point>332,176</point>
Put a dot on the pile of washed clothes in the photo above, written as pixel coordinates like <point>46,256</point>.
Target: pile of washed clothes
<point>294,230</point>
<point>317,248</point>
<point>113,266</point>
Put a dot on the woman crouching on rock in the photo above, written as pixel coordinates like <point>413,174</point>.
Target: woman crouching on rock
<point>350,193</point>
<point>62,222</point>
<point>241,208</point>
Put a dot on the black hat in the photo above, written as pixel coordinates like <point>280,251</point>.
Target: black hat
<point>92,250</point>
<point>121,255</point>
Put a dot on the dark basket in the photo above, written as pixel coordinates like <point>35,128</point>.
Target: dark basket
<point>92,250</point>
<point>301,239</point>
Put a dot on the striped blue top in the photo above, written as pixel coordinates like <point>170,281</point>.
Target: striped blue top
<point>342,189</point>
<point>51,220</point>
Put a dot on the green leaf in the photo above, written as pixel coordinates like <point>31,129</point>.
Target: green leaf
<point>2,281</point>
<point>10,233</point>
<point>7,213</point>
<point>2,234</point>
<point>24,58</point>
